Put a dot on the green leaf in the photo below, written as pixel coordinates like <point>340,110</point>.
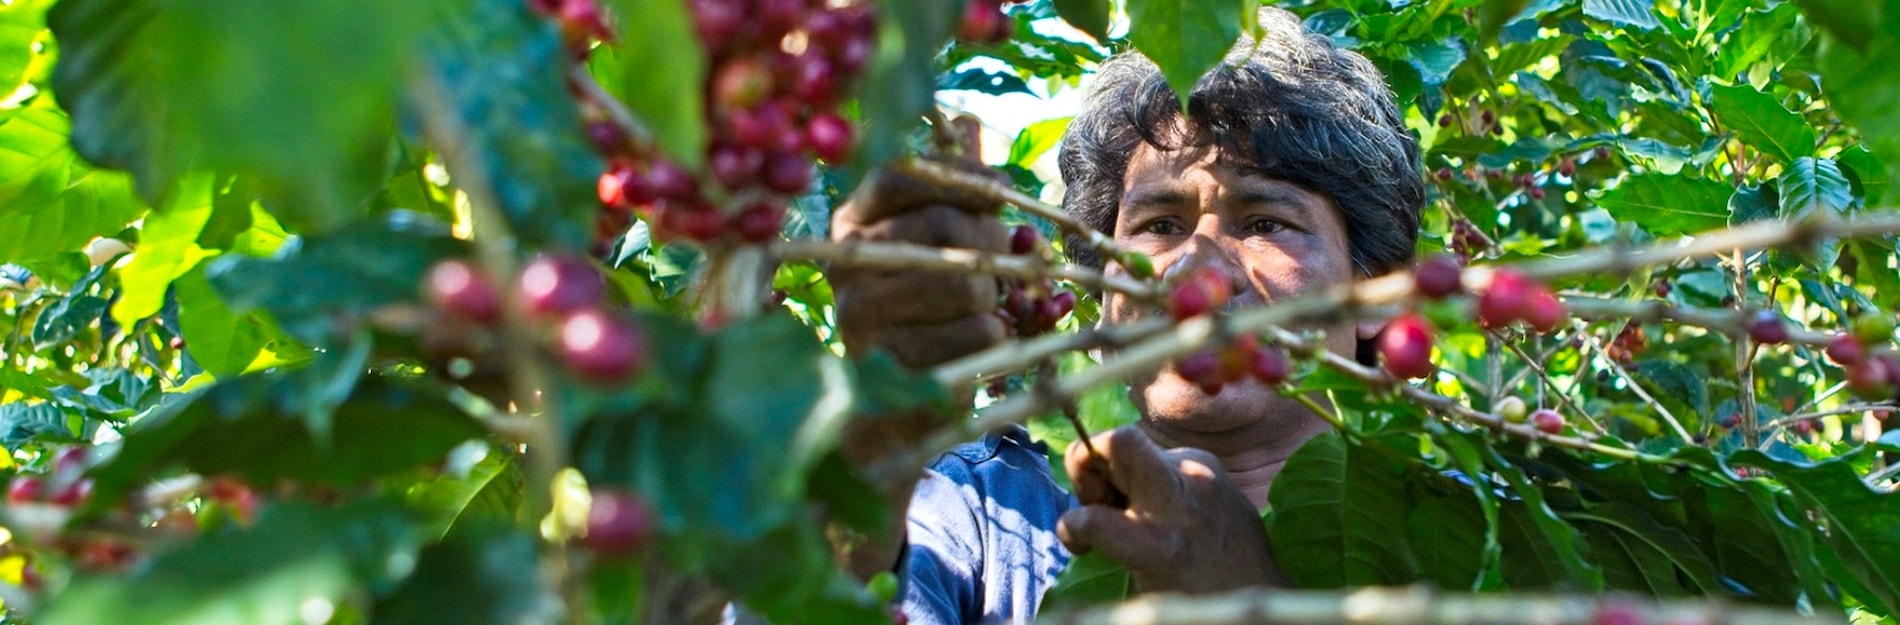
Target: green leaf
<point>1753,204</point>
<point>168,247</point>
<point>225,342</point>
<point>488,488</point>
<point>661,74</point>
<point>478,576</point>
<point>1669,204</point>
<point>1810,184</point>
<point>1868,169</point>
<point>1185,38</point>
<point>983,80</point>
<point>1858,84</point>
<point>898,83</point>
<point>360,268</point>
<point>1339,512</point>
<point>1537,516</point>
<point>1089,16</point>
<point>299,555</point>
<point>1853,21</point>
<point>1628,13</point>
<point>1436,60</point>
<point>1863,525</point>
<point>1760,34</point>
<point>1745,512</point>
<point>21,423</point>
<point>1036,139</point>
<point>255,427</point>
<point>501,70</point>
<point>1091,579</point>
<point>1662,556</point>
<point>164,87</point>
<point>1762,122</point>
<point>50,201</point>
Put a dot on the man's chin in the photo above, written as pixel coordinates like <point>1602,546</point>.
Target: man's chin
<point>1174,403</point>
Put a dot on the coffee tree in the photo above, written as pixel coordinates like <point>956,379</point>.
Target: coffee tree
<point>488,311</point>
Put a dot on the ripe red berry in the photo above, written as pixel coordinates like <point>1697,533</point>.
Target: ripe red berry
<point>598,346</point>
<point>814,79</point>
<point>560,284</point>
<point>1765,327</point>
<point>982,20</point>
<point>607,136</point>
<point>1846,350</point>
<point>1547,421</point>
<point>71,461</point>
<point>460,289</point>
<point>1438,277</point>
<point>830,137</point>
<point>1444,174</point>
<point>1508,299</point>
<point>787,172</point>
<point>1546,312</point>
<point>1406,345</point>
<point>1567,167</point>
<point>1189,299</point>
<point>619,523</point>
<point>1064,302</point>
<point>1444,121</point>
<point>1201,368</point>
<point>777,17</point>
<point>26,489</point>
<point>741,83</point>
<point>612,188</point>
<point>735,166</point>
<point>1804,427</point>
<point>177,342</point>
<point>717,22</point>
<point>1872,378</point>
<point>667,180</point>
<point>702,223</point>
<point>1270,366</point>
<point>759,223</point>
<point>1537,193</point>
<point>73,494</point>
<point>850,59</point>
<point>828,29</point>
<point>583,18</point>
<point>1023,239</point>
<point>1662,288</point>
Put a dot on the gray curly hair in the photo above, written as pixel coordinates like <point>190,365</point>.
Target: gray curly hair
<point>1295,107</point>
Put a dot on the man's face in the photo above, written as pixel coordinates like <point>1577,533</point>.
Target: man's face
<point>1274,240</point>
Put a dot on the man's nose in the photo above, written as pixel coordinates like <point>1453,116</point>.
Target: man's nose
<point>1205,248</point>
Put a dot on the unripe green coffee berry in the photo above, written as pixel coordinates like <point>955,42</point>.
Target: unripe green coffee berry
<point>1513,409</point>
<point>1138,265</point>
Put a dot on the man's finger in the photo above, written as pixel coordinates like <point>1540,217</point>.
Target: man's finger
<point>1139,467</point>
<point>931,344</point>
<point>1091,486</point>
<point>879,298</point>
<point>1116,534</point>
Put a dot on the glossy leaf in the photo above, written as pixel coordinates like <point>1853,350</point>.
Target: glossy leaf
<point>1338,515</point>
<point>475,576</point>
<point>1762,122</point>
<point>1630,13</point>
<point>50,201</point>
<point>1669,204</point>
<point>1186,38</point>
<point>1864,525</point>
<point>1811,184</point>
<point>168,247</point>
<point>1089,16</point>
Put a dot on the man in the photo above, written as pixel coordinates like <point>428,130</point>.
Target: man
<point>1291,172</point>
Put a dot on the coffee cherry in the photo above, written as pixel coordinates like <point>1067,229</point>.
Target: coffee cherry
<point>1846,350</point>
<point>177,342</point>
<point>1235,360</point>
<point>982,20</point>
<point>1874,328</point>
<point>560,284</point>
<point>1662,288</point>
<point>1437,277</point>
<point>759,223</point>
<point>582,18</point>
<point>1203,369</point>
<point>787,172</point>
<point>1406,347</point>
<point>73,494</point>
<point>850,59</point>
<point>598,346</point>
<point>741,83</point>
<point>717,22</point>
<point>1512,409</point>
<point>1189,299</point>
<point>1023,239</point>
<point>612,187</point>
<point>1138,265</point>
<point>667,180</point>
<point>1537,193</point>
<point>777,17</point>
<point>1765,327</point>
<point>1871,378</point>
<point>1546,312</point>
<point>461,290</point>
<point>71,461</point>
<point>1269,365</point>
<point>607,136</point>
<point>1567,167</point>
<point>1064,302</point>
<point>619,523</point>
<point>1804,427</point>
<point>814,80</point>
<point>1547,421</point>
<point>26,489</point>
<point>1444,121</point>
<point>735,166</point>
<point>828,29</point>
<point>830,137</point>
<point>1443,174</point>
<point>702,223</point>
<point>1508,299</point>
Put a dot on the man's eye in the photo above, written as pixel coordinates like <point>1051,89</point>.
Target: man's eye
<point>1162,227</point>
<point>1264,226</point>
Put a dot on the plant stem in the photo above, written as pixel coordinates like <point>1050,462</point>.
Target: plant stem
<point>1551,385</point>
<point>1583,330</point>
<point>992,190</point>
<point>877,255</point>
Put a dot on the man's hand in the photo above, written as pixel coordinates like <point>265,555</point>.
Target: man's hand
<point>923,318</point>
<point>1171,516</point>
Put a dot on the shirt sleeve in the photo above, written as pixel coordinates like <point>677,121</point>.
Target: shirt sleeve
<point>944,542</point>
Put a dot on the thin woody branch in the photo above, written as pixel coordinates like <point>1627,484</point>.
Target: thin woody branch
<point>1418,606</point>
<point>877,255</point>
<point>992,190</point>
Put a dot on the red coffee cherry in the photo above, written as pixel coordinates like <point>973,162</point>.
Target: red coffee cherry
<point>814,79</point>
<point>1508,299</point>
<point>982,21</point>
<point>1270,366</point>
<point>1546,312</point>
<point>1846,350</point>
<point>702,223</point>
<point>601,347</point>
<point>717,22</point>
<point>1406,347</point>
<point>741,83</point>
<point>73,494</point>
<point>759,223</point>
<point>1438,277</point>
<point>607,136</point>
<point>459,289</point>
<point>787,172</point>
<point>559,284</point>
<point>1765,327</point>
<point>1023,239</point>
<point>830,137</point>
<point>667,180</point>
<point>26,489</point>
<point>1203,369</point>
<point>735,166</point>
<point>619,523</point>
<point>1064,302</point>
<point>1547,421</point>
<point>1872,378</point>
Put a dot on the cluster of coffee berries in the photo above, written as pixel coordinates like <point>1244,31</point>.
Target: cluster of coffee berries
<point>778,71</point>
<point>593,342</point>
<point>65,486</point>
<point>984,22</point>
<point>1513,297</point>
<point>1513,410</point>
<point>1245,357</point>
<point>1873,374</point>
<point>1199,293</point>
<point>1032,309</point>
<point>1467,241</point>
<point>1629,343</point>
<point>619,524</point>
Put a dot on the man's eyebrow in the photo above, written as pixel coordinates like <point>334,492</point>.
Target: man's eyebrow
<point>1153,196</point>
<point>1273,195</point>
